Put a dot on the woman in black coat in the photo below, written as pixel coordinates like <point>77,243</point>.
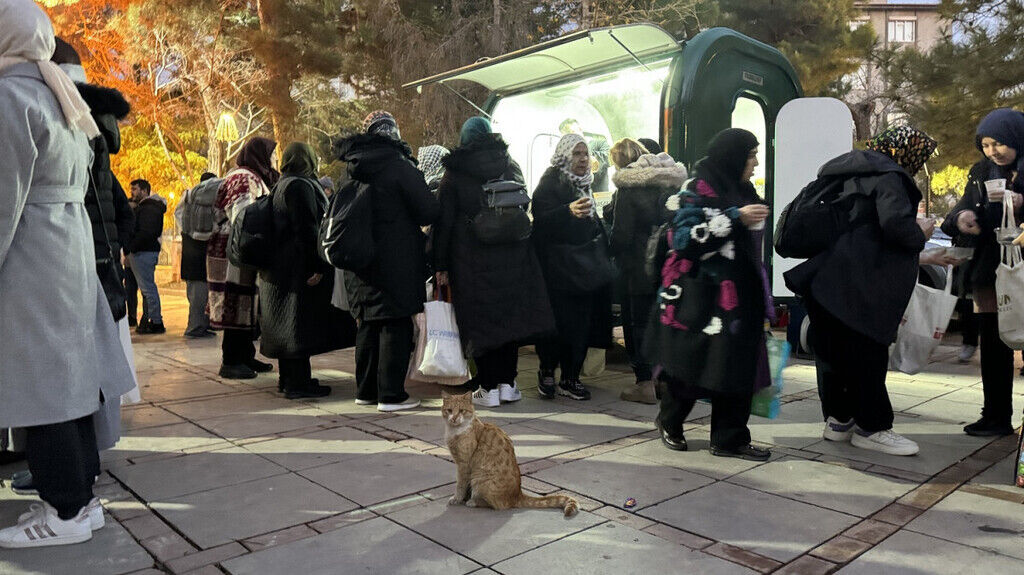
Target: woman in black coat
<point>386,295</point>
<point>564,218</point>
<point>497,289</point>
<point>643,182</point>
<point>1000,137</point>
<point>708,333</point>
<point>297,320</point>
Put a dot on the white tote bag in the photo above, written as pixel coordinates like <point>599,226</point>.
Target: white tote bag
<point>923,326</point>
<point>1010,285</point>
<point>442,356</point>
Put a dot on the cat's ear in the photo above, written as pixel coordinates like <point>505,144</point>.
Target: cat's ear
<point>445,394</point>
<point>468,395</point>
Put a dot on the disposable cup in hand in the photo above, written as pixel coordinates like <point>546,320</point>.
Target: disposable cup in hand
<point>758,226</point>
<point>996,189</point>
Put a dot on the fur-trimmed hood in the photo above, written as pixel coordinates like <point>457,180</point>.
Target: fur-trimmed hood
<point>108,106</point>
<point>367,154</point>
<point>652,171</point>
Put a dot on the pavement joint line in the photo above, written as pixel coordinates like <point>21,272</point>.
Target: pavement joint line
<point>436,542</point>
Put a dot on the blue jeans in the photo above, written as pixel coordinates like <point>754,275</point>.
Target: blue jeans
<point>144,268</point>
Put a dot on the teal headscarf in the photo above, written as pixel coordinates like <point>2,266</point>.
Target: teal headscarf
<point>474,129</point>
<point>299,159</point>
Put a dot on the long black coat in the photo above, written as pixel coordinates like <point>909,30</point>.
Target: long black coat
<point>866,279</point>
<point>497,290</point>
<point>193,259</point>
<point>298,320</point>
<point>554,224</point>
<point>105,201</point>
<point>393,286</point>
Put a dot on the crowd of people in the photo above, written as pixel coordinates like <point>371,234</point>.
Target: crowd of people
<point>684,257</point>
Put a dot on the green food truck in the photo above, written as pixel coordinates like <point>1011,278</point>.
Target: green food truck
<point>638,81</point>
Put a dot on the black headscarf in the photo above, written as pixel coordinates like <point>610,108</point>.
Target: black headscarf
<point>723,167</point>
<point>256,156</point>
<point>299,159</point>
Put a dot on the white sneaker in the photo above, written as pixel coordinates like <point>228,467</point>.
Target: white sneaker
<point>365,402</point>
<point>409,403</point>
<point>966,353</point>
<point>41,527</point>
<point>94,509</point>
<point>485,398</point>
<point>509,392</point>
<point>836,430</point>
<point>884,441</point>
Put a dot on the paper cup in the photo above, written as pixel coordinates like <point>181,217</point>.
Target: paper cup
<point>996,189</point>
<point>758,226</point>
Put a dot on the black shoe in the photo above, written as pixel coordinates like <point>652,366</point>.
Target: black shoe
<point>132,322</point>
<point>156,328</point>
<point>311,389</point>
<point>237,372</point>
<point>143,328</point>
<point>22,484</point>
<point>747,452</point>
<point>546,385</point>
<point>574,389</point>
<point>987,428</point>
<point>260,366</point>
<point>672,442</point>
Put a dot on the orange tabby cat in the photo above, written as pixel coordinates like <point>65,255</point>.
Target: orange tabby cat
<point>488,475</point>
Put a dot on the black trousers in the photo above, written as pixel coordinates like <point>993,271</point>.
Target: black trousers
<point>851,372</point>
<point>383,348</point>
<point>636,311</point>
<point>496,366</point>
<point>568,349</point>
<point>64,463</point>
<point>131,286</point>
<point>729,415</point>
<point>996,371</point>
<point>237,347</point>
<point>295,372</point>
<point>968,321</point>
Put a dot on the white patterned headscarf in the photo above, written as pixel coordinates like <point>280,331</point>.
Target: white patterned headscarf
<point>563,160</point>
<point>26,35</point>
<point>429,159</point>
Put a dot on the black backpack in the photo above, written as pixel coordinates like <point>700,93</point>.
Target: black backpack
<point>813,221</point>
<point>346,232</point>
<point>251,239</point>
<point>502,218</point>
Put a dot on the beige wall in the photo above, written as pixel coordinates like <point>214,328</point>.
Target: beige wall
<point>929,25</point>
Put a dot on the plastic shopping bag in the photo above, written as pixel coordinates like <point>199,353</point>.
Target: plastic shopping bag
<point>1010,286</point>
<point>767,402</point>
<point>414,374</point>
<point>923,326</point>
<point>442,356</point>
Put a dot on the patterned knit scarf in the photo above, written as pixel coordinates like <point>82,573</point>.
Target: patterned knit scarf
<point>562,159</point>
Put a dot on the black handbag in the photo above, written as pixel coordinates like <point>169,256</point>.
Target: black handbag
<point>582,267</point>
<point>502,218</point>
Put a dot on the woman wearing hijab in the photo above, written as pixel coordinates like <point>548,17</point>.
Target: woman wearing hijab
<point>643,182</point>
<point>708,334</point>
<point>297,320</point>
<point>857,291</point>
<point>386,295</point>
<point>232,302</point>
<point>430,160</point>
<point>60,355</point>
<point>497,289</point>
<point>1000,137</point>
<point>572,245</point>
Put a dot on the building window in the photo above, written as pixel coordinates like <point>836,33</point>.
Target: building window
<point>902,31</point>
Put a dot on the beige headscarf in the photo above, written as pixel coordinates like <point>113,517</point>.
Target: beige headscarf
<point>26,35</point>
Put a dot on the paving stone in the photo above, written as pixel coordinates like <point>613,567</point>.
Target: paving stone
<point>169,478</point>
<point>954,411</point>
<point>193,388</point>
<point>758,563</point>
<point>208,570</point>
<point>146,526</point>
<point>383,476</point>
<point>398,504</point>
<point>614,549</point>
<point>209,557</point>
<point>807,565</point>
<point>489,536</point>
<point>624,517</point>
<point>537,486</point>
<point>342,520</point>
<point>111,551</point>
<point>216,517</point>
<point>977,521</point>
<point>428,426</point>
<point>122,510</point>
<point>907,553</point>
<point>248,403</point>
<point>168,546</point>
<point>785,529</point>
<point>830,486</point>
<point>279,537</point>
<point>536,465</point>
<point>246,425</point>
<point>588,428</point>
<point>531,444</point>
<point>928,494</point>
<point>147,416</point>
<point>612,478</point>
<point>897,514</point>
<point>1000,476</point>
<point>841,549</point>
<point>374,546</point>
<point>799,425</point>
<point>871,531</point>
<point>678,536</point>
<point>172,438</point>
<point>320,448</point>
<point>697,460</point>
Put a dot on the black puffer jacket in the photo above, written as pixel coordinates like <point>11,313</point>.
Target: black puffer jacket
<point>296,319</point>
<point>497,290</point>
<point>105,201</point>
<point>149,224</point>
<point>866,279</point>
<point>393,286</point>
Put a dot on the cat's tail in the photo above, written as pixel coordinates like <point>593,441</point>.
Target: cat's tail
<point>567,504</point>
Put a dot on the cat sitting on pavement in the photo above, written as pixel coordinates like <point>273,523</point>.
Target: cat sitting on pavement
<point>487,472</point>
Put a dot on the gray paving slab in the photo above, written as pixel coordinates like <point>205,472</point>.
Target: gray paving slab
<point>825,485</point>
<point>697,460</point>
<point>798,425</point>
<point>168,478</point>
<point>248,425</point>
<point>774,526</point>
<point>237,512</point>
<point>907,553</point>
<point>531,444</point>
<point>143,416</point>
<point>917,388</point>
<point>164,439</point>
<point>615,549</point>
<point>956,411</point>
<point>613,477</point>
<point>488,536</point>
<point>1000,476</point>
<point>383,476</point>
<point>426,425</point>
<point>321,448</point>
<point>374,546</point>
<point>976,521</point>
<point>589,428</point>
<point>522,410</point>
<point>247,403</point>
<point>197,387</point>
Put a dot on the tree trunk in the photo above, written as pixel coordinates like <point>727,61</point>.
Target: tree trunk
<point>279,85</point>
<point>497,40</point>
